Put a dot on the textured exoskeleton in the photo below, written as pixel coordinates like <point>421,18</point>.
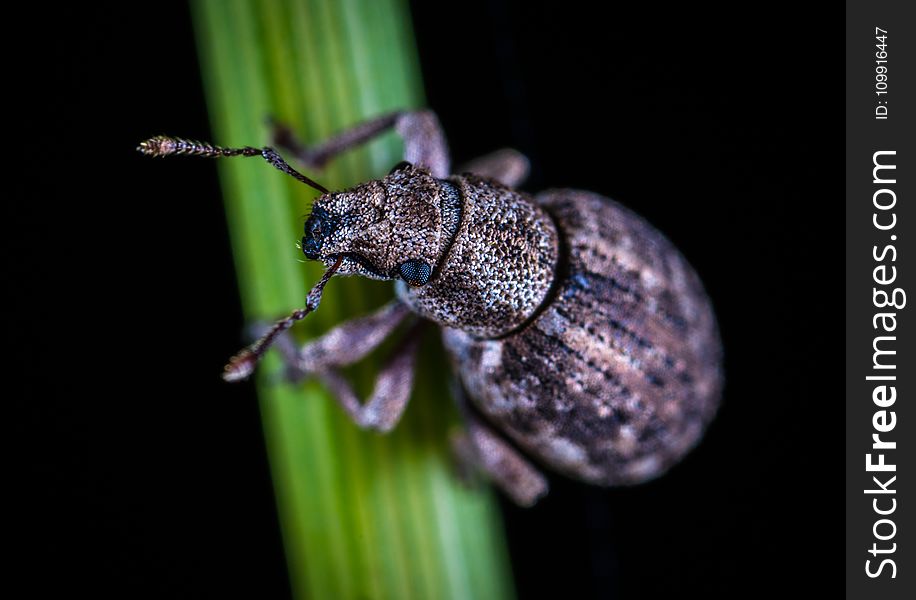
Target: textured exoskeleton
<point>579,333</point>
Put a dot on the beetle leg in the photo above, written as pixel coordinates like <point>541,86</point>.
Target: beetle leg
<point>507,166</point>
<point>424,140</point>
<point>344,345</point>
<point>391,392</point>
<point>506,467</point>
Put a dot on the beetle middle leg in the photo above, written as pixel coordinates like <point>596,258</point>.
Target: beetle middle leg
<point>347,344</point>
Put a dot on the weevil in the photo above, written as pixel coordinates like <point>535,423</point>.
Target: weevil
<point>580,337</point>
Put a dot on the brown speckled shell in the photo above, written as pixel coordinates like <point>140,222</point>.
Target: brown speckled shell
<point>617,377</point>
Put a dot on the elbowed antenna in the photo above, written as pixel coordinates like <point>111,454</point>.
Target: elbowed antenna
<point>163,145</point>
<point>242,364</point>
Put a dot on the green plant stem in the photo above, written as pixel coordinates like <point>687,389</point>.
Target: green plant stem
<point>363,515</point>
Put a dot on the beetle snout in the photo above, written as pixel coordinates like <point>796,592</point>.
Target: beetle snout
<point>310,247</point>
<point>314,235</point>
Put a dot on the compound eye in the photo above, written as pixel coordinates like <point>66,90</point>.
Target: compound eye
<point>415,272</point>
<point>400,167</point>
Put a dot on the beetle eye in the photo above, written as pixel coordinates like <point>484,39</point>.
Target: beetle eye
<point>415,272</point>
<point>400,166</point>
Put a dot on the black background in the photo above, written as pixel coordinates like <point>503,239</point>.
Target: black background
<point>144,474</point>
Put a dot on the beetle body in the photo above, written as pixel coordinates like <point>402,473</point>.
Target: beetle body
<point>579,332</point>
<point>576,328</point>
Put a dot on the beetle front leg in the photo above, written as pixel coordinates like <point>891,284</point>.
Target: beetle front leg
<point>506,467</point>
<point>507,166</point>
<point>391,391</point>
<point>348,343</point>
<point>344,345</point>
<point>424,140</point>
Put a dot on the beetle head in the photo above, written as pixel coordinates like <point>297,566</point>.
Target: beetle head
<point>384,229</point>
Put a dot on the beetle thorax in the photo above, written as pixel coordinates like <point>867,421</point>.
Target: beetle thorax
<point>500,263</point>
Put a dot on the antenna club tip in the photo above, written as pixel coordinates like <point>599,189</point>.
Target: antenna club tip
<point>240,367</point>
<point>160,145</point>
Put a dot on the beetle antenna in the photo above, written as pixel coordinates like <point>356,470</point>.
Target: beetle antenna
<point>163,145</point>
<point>242,364</point>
